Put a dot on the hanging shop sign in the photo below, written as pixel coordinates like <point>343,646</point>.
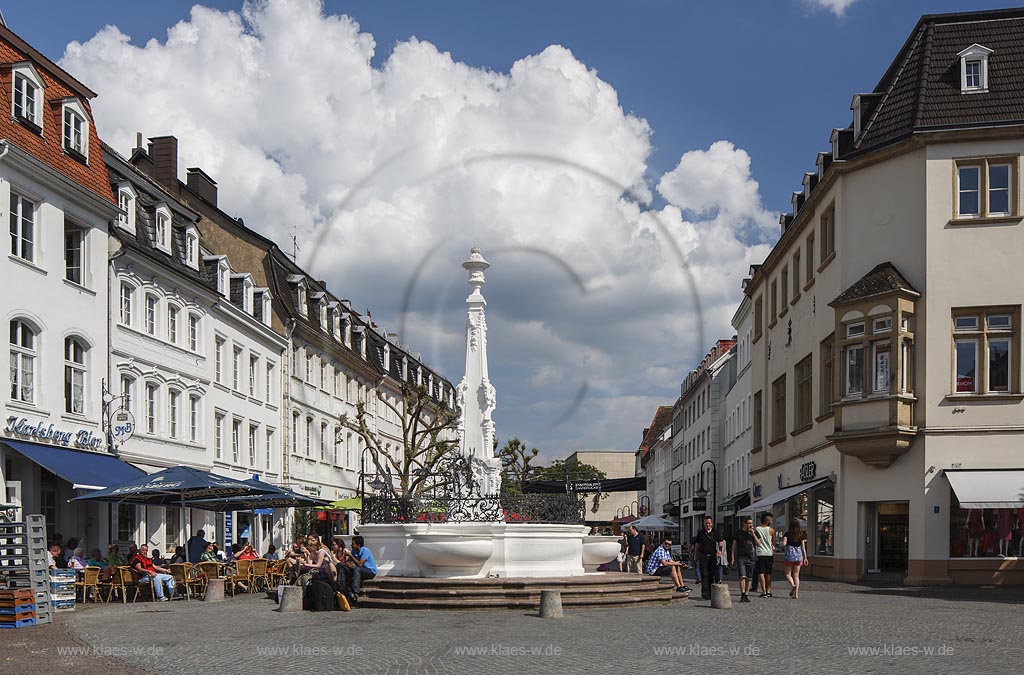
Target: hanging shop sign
<point>122,425</point>
<point>583,486</point>
<point>700,504</point>
<point>311,489</point>
<point>50,433</point>
<point>808,470</point>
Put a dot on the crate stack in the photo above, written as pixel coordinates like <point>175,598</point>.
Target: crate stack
<point>38,567</point>
<point>17,597</point>
<point>62,589</point>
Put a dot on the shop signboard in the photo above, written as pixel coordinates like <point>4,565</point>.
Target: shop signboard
<point>122,425</point>
<point>700,504</point>
<point>583,486</point>
<point>22,429</point>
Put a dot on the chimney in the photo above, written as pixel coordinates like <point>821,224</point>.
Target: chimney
<point>164,151</point>
<point>199,181</point>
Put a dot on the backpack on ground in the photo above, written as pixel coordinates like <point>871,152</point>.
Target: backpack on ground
<point>320,594</point>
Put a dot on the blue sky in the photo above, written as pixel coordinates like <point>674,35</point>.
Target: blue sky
<point>714,110</point>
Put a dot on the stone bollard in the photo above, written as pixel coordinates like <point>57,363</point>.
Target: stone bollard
<point>214,590</point>
<point>551,604</point>
<point>720,598</point>
<point>291,599</point>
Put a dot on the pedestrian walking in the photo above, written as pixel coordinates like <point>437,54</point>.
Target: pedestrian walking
<point>794,554</point>
<point>634,551</point>
<point>765,534</point>
<point>744,556</point>
<point>623,545</point>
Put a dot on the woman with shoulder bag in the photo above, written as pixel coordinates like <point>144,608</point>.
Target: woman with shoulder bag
<point>794,554</point>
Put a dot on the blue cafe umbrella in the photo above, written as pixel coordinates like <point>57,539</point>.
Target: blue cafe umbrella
<point>177,486</point>
<point>270,497</point>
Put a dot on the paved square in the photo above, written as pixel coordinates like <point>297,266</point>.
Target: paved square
<point>835,628</point>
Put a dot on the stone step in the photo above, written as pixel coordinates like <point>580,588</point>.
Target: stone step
<point>456,603</point>
<point>514,582</point>
<point>387,591</point>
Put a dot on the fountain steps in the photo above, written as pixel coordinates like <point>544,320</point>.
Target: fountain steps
<point>590,591</point>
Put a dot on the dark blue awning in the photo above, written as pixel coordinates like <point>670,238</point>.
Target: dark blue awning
<point>83,469</point>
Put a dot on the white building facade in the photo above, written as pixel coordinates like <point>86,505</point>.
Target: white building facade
<point>736,434</point>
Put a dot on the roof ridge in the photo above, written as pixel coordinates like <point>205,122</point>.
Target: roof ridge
<point>892,85</point>
<point>923,84</point>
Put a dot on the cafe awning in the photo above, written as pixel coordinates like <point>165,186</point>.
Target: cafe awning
<point>988,488</point>
<point>733,503</point>
<point>85,470</point>
<point>781,496</point>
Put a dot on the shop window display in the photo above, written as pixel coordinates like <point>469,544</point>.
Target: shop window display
<point>824,521</point>
<point>985,533</point>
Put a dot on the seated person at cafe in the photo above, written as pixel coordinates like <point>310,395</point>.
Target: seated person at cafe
<point>55,558</point>
<point>272,553</point>
<point>76,561</point>
<point>95,559</point>
<point>662,564</point>
<point>245,552</point>
<point>294,557</point>
<point>157,558</point>
<point>363,566</point>
<point>111,563</point>
<point>179,555</point>
<point>143,566</point>
<point>210,554</point>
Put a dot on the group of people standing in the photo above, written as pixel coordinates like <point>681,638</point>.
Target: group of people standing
<point>752,555</point>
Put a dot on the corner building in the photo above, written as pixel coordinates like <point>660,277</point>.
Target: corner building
<point>886,376</point>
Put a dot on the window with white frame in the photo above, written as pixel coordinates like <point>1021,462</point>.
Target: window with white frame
<point>126,303</point>
<point>193,418</point>
<point>323,441</point>
<point>985,188</point>
<point>27,95</point>
<point>173,400</point>
<point>984,342</point>
<point>253,437</point>
<point>172,324</point>
<point>236,368</point>
<point>127,392</point>
<point>75,137</point>
<point>974,69</point>
<point>74,253</point>
<point>162,230</point>
<point>309,435</point>
<point>219,360</point>
<point>337,445</point>
<point>74,376</point>
<point>151,394</point>
<point>295,433</point>
<point>151,303</point>
<point>126,202</point>
<point>236,433</point>
<point>192,249</point>
<point>268,388</point>
<point>193,332</point>
<point>268,438</point>
<point>23,227</point>
<point>265,299</point>
<point>309,366</point>
<point>23,361</point>
<point>218,436</point>
<point>254,364</point>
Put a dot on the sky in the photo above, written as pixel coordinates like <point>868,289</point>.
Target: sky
<point>621,164</point>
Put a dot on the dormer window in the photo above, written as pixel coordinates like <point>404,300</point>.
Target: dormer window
<point>162,231</point>
<point>126,202</point>
<point>247,294</point>
<point>75,139</point>
<point>27,99</point>
<point>974,69</point>
<point>223,278</point>
<point>192,248</point>
<point>303,303</point>
<point>265,300</point>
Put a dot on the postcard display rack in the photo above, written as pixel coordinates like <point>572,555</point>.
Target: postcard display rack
<point>24,579</point>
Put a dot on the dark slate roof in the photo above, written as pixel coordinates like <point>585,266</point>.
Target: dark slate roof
<point>149,195</point>
<point>921,89</point>
<point>882,280</point>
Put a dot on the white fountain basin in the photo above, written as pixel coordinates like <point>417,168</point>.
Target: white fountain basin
<point>598,550</point>
<point>467,550</point>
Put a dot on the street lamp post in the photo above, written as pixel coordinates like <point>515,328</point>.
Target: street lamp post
<point>679,511</point>
<point>714,488</point>
<point>645,510</point>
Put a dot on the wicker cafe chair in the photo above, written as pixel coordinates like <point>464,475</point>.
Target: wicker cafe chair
<point>90,581</point>
<point>259,574</point>
<point>241,576</point>
<point>275,573</point>
<point>123,582</point>
<point>185,580</point>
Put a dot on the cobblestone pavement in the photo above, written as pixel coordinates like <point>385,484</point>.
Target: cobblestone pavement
<point>896,630</point>
<point>51,648</point>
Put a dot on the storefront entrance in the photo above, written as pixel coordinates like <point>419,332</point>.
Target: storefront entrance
<point>888,538</point>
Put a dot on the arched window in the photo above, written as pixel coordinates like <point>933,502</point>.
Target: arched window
<point>23,361</point>
<point>74,376</point>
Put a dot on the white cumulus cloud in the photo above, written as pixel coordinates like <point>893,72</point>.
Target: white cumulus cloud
<point>378,165</point>
<point>837,7</point>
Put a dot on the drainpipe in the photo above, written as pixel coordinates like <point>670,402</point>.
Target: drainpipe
<point>287,407</point>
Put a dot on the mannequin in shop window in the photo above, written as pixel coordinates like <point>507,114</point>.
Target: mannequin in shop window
<point>1004,531</point>
<point>975,528</point>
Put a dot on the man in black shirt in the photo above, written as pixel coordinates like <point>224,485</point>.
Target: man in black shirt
<point>708,540</point>
<point>744,556</point>
<point>635,547</point>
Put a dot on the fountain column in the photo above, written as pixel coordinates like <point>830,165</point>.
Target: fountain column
<point>477,399</point>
